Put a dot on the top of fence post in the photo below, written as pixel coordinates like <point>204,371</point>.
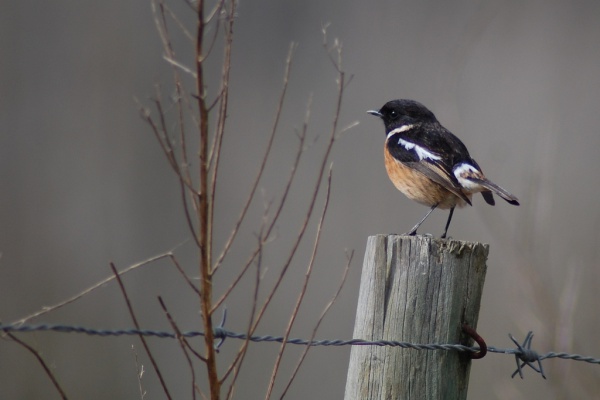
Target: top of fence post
<point>421,290</point>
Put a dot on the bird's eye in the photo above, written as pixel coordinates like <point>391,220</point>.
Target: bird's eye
<point>394,114</point>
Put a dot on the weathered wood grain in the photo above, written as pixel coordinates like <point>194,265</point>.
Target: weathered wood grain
<point>420,290</point>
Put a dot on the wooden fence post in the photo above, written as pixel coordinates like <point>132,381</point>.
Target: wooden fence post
<point>420,290</point>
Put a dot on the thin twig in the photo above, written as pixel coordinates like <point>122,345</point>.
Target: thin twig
<point>162,136</point>
<point>218,8</point>
<point>300,298</point>
<point>103,282</point>
<point>222,115</point>
<point>261,169</point>
<point>215,11</point>
<point>182,170</point>
<point>318,324</point>
<point>159,134</point>
<point>179,335</point>
<point>179,23</point>
<point>239,359</point>
<point>302,139</point>
<point>42,363</point>
<point>183,344</point>
<point>179,65</point>
<point>204,213</point>
<point>282,202</point>
<point>178,86</point>
<point>183,175</point>
<point>137,326</point>
<point>184,275</point>
<point>316,190</point>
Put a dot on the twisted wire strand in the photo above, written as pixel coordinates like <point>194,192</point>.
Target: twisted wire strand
<point>223,333</point>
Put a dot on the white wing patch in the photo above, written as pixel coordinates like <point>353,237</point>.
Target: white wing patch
<point>421,152</point>
<point>463,171</point>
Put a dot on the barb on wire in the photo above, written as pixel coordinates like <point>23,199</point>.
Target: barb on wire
<point>526,355</point>
<point>219,329</point>
<point>523,353</point>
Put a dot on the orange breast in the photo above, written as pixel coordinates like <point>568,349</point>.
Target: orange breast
<point>418,187</point>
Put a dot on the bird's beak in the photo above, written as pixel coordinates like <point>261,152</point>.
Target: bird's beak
<point>375,112</point>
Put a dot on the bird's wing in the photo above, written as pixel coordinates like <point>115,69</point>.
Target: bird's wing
<point>427,161</point>
<point>487,195</point>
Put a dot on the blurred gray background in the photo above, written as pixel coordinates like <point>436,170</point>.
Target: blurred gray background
<point>85,183</point>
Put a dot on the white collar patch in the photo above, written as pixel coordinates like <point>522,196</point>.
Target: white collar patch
<point>403,128</point>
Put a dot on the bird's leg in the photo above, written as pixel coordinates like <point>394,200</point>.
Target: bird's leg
<point>448,223</point>
<point>413,231</point>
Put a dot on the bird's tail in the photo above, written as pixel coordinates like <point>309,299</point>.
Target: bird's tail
<point>512,199</point>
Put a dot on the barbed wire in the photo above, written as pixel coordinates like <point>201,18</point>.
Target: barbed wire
<point>523,353</point>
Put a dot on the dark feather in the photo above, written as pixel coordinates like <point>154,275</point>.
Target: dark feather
<point>496,189</point>
<point>489,198</point>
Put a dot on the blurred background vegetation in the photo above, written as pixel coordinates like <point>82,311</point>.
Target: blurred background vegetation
<point>84,182</point>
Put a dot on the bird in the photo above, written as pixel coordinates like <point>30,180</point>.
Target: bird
<point>429,164</point>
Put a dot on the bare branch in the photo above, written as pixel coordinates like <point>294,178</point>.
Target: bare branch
<point>332,138</point>
<point>182,67</point>
<point>261,169</point>
<point>222,115</point>
<point>204,214</point>
<point>211,46</point>
<point>302,136</point>
<point>347,128</point>
<point>183,274</point>
<point>170,55</point>
<point>302,290</point>
<point>160,136</point>
<point>183,344</point>
<point>137,326</point>
<point>159,22</point>
<point>267,234</point>
<point>103,282</point>
<point>215,11</point>
<point>38,356</point>
<point>179,23</point>
<point>199,210</point>
<point>239,359</point>
<point>166,142</point>
<point>182,170</point>
<point>186,209</point>
<point>318,324</point>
